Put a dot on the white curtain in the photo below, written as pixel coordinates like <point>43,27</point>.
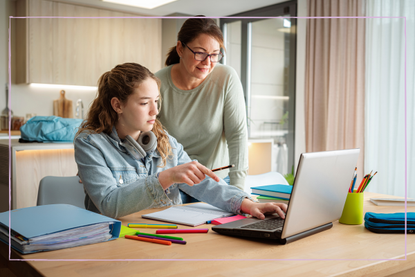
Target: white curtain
<point>385,101</point>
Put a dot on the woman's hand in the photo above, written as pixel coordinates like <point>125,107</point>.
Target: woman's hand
<point>259,210</point>
<point>189,173</point>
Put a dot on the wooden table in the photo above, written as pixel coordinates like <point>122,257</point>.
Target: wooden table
<point>344,250</point>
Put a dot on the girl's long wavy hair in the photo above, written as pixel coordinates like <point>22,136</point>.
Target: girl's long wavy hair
<point>121,82</point>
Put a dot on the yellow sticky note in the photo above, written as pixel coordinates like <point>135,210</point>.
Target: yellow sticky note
<point>126,231</point>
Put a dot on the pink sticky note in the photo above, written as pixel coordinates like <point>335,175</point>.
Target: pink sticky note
<point>223,220</point>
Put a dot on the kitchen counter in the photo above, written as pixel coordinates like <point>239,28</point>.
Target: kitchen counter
<point>6,136</point>
<point>30,162</point>
<point>19,146</point>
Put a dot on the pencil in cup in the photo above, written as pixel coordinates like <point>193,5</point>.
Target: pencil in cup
<point>149,240</point>
<point>353,180</point>
<point>367,183</point>
<point>361,184</point>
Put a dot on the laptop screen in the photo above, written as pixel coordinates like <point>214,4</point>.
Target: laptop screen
<point>319,190</point>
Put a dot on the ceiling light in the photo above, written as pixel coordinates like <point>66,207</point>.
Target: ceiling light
<point>145,4</point>
<point>53,86</point>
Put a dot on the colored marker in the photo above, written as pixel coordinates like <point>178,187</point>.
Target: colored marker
<point>148,240</point>
<point>172,240</point>
<point>160,236</point>
<point>163,231</point>
<point>157,226</point>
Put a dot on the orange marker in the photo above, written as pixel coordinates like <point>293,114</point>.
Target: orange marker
<point>149,240</point>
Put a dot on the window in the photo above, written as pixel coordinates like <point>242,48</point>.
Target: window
<point>262,51</point>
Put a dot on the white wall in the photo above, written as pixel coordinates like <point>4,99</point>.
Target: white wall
<point>39,100</point>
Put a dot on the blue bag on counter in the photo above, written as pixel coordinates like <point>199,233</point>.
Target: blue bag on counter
<point>50,129</point>
<point>390,223</point>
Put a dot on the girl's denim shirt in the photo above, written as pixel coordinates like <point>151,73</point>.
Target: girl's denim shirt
<point>116,184</point>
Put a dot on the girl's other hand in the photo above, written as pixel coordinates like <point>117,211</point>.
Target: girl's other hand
<point>259,210</point>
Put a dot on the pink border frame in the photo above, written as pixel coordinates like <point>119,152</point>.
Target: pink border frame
<point>181,17</point>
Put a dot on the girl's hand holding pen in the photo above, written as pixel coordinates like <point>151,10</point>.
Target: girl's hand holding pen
<point>259,210</point>
<point>189,173</point>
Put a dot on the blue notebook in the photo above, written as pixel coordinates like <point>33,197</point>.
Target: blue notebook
<point>281,191</point>
<point>57,226</point>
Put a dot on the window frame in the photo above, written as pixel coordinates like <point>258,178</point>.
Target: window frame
<point>277,10</point>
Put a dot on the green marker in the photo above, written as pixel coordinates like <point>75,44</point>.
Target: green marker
<point>160,236</point>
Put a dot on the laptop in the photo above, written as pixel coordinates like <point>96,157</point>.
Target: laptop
<point>319,192</point>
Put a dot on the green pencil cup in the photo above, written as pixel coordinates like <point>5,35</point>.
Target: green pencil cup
<point>353,209</point>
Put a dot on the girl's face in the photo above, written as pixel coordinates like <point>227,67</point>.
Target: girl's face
<point>204,44</point>
<point>138,113</point>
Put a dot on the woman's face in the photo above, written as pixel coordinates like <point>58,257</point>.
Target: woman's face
<point>140,110</point>
<point>198,69</point>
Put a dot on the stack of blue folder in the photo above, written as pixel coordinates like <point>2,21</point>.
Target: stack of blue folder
<point>57,226</point>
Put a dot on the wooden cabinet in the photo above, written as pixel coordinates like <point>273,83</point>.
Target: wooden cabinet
<point>30,162</point>
<point>77,51</point>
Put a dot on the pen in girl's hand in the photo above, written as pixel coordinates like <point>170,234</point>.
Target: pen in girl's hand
<point>224,167</point>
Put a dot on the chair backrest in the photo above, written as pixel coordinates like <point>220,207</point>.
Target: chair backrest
<point>61,190</point>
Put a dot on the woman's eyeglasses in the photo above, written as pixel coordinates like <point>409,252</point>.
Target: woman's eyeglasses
<point>201,56</point>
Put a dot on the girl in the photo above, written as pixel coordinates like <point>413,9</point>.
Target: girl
<point>128,162</point>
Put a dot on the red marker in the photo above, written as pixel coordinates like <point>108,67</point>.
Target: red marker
<point>175,231</point>
<point>148,240</point>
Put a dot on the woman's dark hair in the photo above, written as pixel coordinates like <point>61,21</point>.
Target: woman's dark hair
<point>191,29</point>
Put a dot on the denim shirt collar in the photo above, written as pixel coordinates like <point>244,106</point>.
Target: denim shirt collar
<point>116,141</point>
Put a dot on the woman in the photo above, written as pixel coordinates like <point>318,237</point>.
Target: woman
<point>204,102</point>
<point>127,162</point>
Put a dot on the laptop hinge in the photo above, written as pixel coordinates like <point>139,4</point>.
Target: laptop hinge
<point>306,233</point>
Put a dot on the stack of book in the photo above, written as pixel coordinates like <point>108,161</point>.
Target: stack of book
<point>57,226</point>
<point>273,193</point>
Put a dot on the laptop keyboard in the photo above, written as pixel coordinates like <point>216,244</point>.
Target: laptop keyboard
<point>270,224</point>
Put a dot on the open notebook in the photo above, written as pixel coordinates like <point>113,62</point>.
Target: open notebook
<point>192,215</point>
